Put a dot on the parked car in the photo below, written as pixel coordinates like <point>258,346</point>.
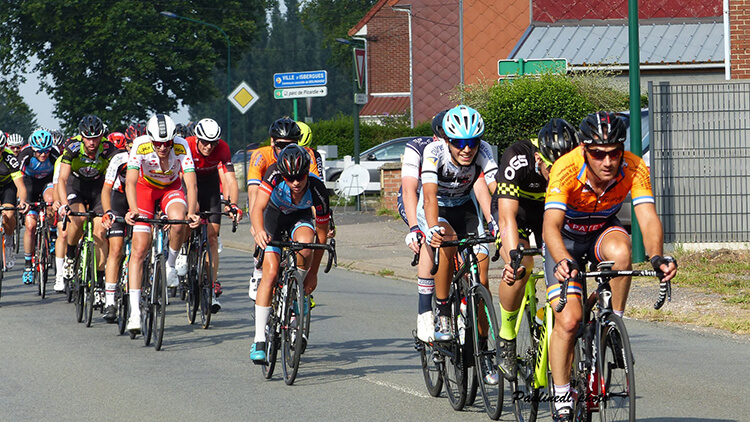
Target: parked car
<point>372,159</point>
<point>239,168</point>
<point>625,212</point>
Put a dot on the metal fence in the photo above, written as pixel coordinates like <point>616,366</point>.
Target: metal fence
<point>700,152</point>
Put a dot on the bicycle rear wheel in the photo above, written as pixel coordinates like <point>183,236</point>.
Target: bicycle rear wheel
<point>291,329</point>
<point>273,339</point>
<point>616,373</point>
<point>485,352</point>
<point>205,277</point>
<point>525,394</point>
<point>455,372</point>
<point>159,306</point>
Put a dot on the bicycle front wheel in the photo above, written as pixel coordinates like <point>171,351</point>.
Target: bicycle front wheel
<point>159,306</point>
<point>192,295</point>
<point>291,329</point>
<point>122,299</point>
<point>78,288</point>
<point>273,340</point>
<point>485,352</point>
<point>44,261</point>
<point>525,394</point>
<point>616,374</point>
<point>205,277</point>
<point>89,284</point>
<point>431,363</point>
<point>455,372</point>
<point>147,321</point>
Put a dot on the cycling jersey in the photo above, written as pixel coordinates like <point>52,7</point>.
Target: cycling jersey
<point>116,171</point>
<point>264,157</point>
<point>84,168</point>
<point>56,171</point>
<point>411,166</point>
<point>210,165</point>
<point>143,158</point>
<point>316,195</point>
<point>10,168</point>
<point>35,169</point>
<point>455,182</point>
<point>585,213</point>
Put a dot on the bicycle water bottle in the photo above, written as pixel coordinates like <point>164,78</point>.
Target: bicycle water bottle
<point>593,380</point>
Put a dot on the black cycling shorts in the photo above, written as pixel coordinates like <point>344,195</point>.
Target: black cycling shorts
<point>8,194</point>
<point>119,208</point>
<point>35,188</point>
<point>209,196</point>
<point>276,223</point>
<point>87,193</point>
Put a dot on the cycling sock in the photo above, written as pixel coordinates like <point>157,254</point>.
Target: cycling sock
<point>619,313</point>
<point>59,266</point>
<point>443,307</point>
<point>27,258</point>
<point>508,324</point>
<point>563,397</point>
<point>425,287</point>
<point>172,257</point>
<point>109,293</point>
<point>261,318</point>
<point>71,251</point>
<point>135,298</point>
<point>301,275</point>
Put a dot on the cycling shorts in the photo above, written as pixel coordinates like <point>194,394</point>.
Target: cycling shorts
<point>275,223</point>
<point>119,208</point>
<point>583,251</point>
<point>528,218</point>
<point>209,196</point>
<point>87,193</point>
<point>8,194</point>
<point>35,188</point>
<point>148,196</point>
<point>464,219</point>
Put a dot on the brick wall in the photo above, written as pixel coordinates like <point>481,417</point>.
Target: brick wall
<point>388,50</point>
<point>390,182</point>
<point>739,29</point>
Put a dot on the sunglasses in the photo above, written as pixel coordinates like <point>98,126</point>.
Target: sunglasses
<point>162,144</point>
<point>463,143</point>
<point>209,143</point>
<point>42,151</point>
<point>599,155</point>
<point>297,178</point>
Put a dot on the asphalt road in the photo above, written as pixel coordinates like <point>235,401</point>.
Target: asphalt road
<point>360,363</point>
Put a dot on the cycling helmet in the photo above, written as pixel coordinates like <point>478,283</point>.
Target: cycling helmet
<point>463,122</point>
<point>602,128</point>
<point>57,137</point>
<point>190,129</point>
<point>3,139</point>
<point>285,128</point>
<point>306,138</point>
<point>294,161</point>
<point>207,130</point>
<point>91,126</point>
<point>135,130</point>
<point>118,139</point>
<point>180,130</point>
<point>40,140</point>
<point>437,124</point>
<point>15,140</point>
<point>160,128</point>
<point>556,139</point>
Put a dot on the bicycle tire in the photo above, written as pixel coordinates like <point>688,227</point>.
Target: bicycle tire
<point>273,339</point>
<point>291,329</point>
<point>122,299</point>
<point>159,306</point>
<point>455,373</point>
<point>147,322</point>
<point>45,260</point>
<point>78,288</point>
<point>526,407</point>
<point>616,372</point>
<point>431,371</point>
<point>205,278</point>
<point>89,285</point>
<point>35,263</point>
<point>485,355</point>
<point>192,295</point>
<point>17,232</point>
<point>579,384</point>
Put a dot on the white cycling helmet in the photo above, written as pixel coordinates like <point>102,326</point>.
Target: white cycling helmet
<point>160,128</point>
<point>3,139</point>
<point>463,122</point>
<point>207,130</point>
<point>15,140</point>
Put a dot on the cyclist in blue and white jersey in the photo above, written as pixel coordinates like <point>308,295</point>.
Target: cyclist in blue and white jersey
<point>446,208</point>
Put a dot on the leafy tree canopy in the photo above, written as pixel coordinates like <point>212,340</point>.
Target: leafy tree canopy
<point>120,59</point>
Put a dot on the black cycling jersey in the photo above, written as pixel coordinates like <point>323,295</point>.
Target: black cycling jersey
<point>10,168</point>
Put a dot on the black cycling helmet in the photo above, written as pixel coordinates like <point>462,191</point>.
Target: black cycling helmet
<point>285,128</point>
<point>437,124</point>
<point>180,130</point>
<point>556,139</point>
<point>294,161</point>
<point>91,126</point>
<point>602,128</point>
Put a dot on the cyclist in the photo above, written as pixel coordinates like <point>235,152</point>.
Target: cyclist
<point>521,184</point>
<point>283,132</point>
<point>585,192</point>
<point>57,141</point>
<point>211,157</point>
<point>15,143</point>
<point>284,203</point>
<point>446,207</point>
<point>306,141</point>
<point>11,187</point>
<point>153,177</point>
<point>115,204</point>
<point>37,165</point>
<point>86,161</point>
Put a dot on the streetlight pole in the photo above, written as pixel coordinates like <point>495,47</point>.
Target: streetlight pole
<point>229,66</point>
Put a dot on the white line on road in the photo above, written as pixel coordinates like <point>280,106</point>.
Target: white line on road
<point>397,388</point>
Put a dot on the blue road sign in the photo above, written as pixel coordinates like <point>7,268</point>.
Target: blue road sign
<point>300,79</point>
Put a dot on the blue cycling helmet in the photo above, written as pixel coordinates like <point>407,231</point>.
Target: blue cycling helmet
<point>463,122</point>
<point>40,140</point>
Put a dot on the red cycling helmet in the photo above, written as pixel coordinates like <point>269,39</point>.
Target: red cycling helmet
<point>117,138</point>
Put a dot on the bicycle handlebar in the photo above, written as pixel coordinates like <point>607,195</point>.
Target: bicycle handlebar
<point>205,214</point>
<point>665,287</point>
<point>516,256</point>
<point>87,214</point>
<point>470,240</point>
<point>298,246</point>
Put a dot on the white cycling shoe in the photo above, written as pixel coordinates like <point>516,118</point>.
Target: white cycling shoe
<point>173,280</point>
<point>426,327</point>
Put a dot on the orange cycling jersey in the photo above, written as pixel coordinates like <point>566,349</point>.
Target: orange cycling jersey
<point>569,191</point>
<point>262,159</point>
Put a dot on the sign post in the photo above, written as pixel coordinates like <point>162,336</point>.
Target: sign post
<point>360,66</point>
<point>520,67</point>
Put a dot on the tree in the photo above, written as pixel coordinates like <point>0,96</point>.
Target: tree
<point>15,115</point>
<point>120,59</point>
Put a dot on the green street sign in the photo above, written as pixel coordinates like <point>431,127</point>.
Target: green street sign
<point>510,67</point>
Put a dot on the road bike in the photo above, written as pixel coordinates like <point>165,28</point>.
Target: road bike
<point>197,288</point>
<point>288,325</point>
<point>602,376</point>
<point>41,260</point>
<point>475,330</point>
<point>88,289</point>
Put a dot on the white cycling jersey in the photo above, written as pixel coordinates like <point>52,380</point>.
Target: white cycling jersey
<point>143,157</point>
<point>455,182</point>
<point>113,177</point>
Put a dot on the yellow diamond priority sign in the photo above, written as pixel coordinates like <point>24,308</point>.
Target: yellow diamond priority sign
<point>243,97</point>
